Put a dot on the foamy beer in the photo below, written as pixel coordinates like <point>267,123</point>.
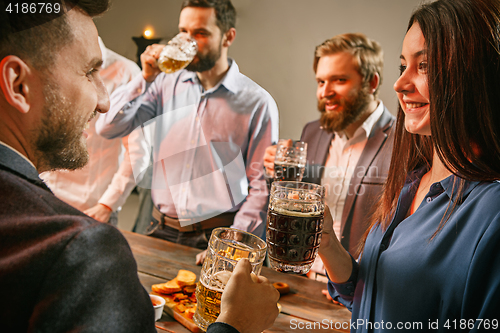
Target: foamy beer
<point>178,53</point>
<point>294,225</point>
<point>225,248</point>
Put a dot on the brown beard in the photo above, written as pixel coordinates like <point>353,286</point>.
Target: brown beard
<point>353,108</point>
<point>202,63</point>
<point>59,143</point>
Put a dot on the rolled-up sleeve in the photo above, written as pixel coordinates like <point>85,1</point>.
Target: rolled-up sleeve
<point>130,106</point>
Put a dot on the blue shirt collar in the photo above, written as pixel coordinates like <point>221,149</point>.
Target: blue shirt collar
<point>448,185</point>
<point>451,184</point>
<point>229,81</point>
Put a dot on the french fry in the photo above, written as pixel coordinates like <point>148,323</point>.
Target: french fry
<point>190,312</point>
<point>179,296</point>
<point>180,307</point>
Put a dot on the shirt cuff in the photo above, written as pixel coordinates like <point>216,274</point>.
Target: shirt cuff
<point>219,327</point>
<point>345,290</point>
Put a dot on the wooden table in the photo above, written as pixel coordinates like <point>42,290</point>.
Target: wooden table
<point>304,309</point>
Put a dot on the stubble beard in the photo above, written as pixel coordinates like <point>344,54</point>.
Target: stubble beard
<point>353,108</point>
<point>59,142</point>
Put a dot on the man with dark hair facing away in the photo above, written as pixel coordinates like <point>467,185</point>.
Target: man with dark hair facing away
<point>60,270</point>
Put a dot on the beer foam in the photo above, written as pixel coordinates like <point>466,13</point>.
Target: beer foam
<point>237,245</point>
<point>175,53</point>
<point>218,281</point>
<point>223,276</point>
<point>291,164</point>
<point>281,210</point>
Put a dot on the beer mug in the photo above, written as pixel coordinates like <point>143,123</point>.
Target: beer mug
<point>178,53</point>
<point>294,225</point>
<point>290,160</point>
<point>225,247</point>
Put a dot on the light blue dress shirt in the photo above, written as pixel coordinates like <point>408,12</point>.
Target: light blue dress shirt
<point>410,282</point>
<point>207,146</point>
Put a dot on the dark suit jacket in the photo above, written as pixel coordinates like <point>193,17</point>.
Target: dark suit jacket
<point>60,270</point>
<point>368,178</point>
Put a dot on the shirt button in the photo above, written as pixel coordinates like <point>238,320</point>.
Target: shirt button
<point>429,199</point>
<point>351,294</point>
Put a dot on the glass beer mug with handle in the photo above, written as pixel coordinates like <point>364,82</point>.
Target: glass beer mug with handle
<point>225,247</point>
<point>178,53</point>
<point>290,160</point>
<point>294,225</point>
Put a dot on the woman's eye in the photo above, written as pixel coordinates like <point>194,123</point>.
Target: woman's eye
<point>422,67</point>
<point>402,68</point>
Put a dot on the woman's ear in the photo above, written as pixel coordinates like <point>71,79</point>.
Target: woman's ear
<point>15,83</point>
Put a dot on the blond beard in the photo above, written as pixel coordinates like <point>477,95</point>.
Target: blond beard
<point>353,108</point>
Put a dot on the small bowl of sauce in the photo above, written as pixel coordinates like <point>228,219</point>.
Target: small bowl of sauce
<point>158,304</point>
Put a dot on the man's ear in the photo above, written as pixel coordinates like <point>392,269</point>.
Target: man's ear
<point>229,37</point>
<point>15,83</point>
<point>374,83</point>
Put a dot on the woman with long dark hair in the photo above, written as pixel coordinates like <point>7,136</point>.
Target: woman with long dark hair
<point>431,259</point>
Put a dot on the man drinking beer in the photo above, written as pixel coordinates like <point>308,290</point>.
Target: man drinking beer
<point>212,126</point>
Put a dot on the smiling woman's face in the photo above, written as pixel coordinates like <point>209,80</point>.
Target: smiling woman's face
<point>412,86</point>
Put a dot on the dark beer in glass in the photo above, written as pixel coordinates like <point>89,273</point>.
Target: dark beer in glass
<point>294,225</point>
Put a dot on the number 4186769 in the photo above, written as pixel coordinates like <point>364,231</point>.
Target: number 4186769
<point>480,324</point>
<point>33,8</point>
